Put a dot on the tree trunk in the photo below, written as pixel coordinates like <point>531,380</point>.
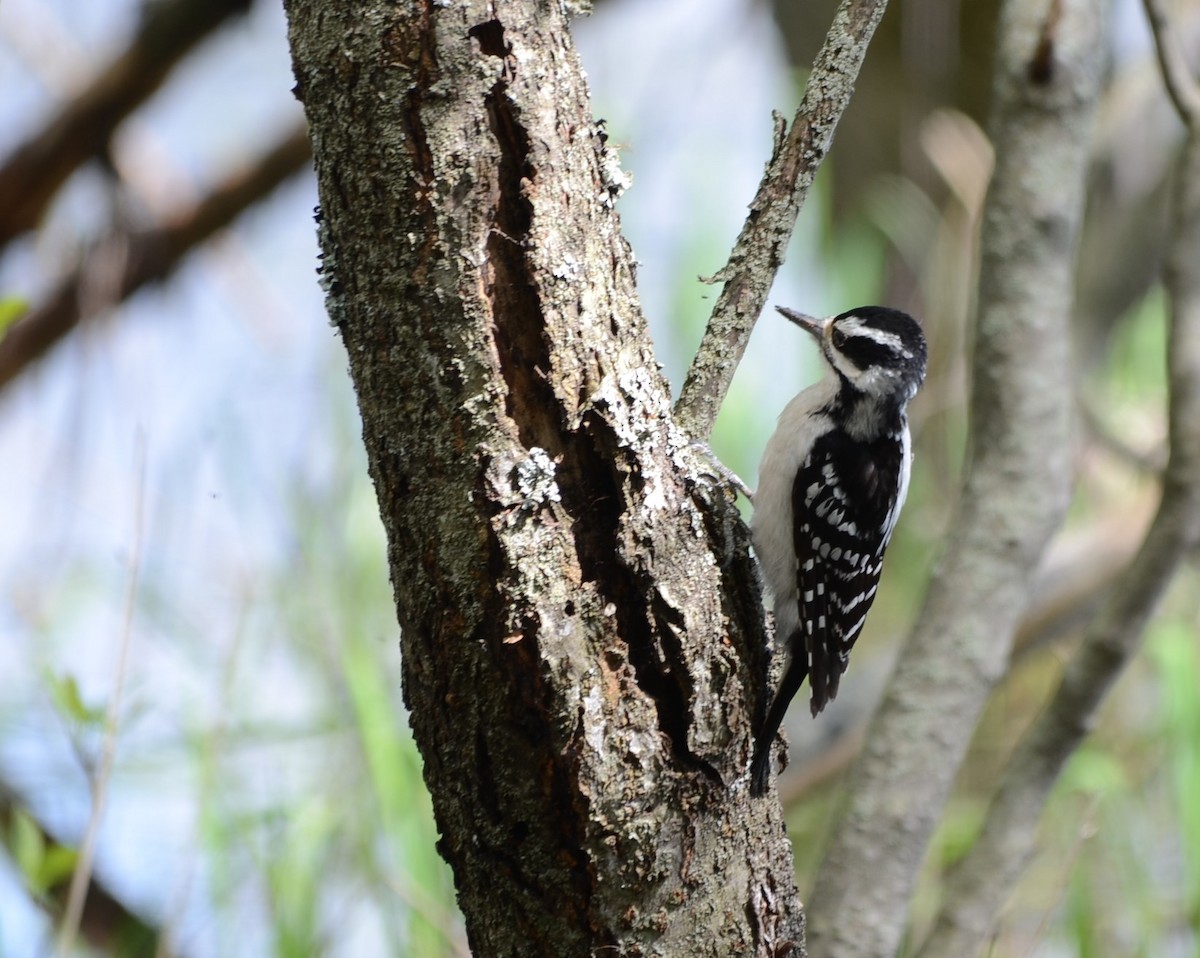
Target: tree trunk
<point>582,626</point>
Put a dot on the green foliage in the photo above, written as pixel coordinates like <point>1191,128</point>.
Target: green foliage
<point>1095,771</point>
<point>42,863</point>
<point>302,845</point>
<point>64,693</point>
<point>1135,379</point>
<point>12,308</point>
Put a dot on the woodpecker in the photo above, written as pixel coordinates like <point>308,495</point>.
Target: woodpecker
<point>832,480</point>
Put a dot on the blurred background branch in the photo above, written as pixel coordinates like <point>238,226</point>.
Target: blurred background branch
<point>80,130</point>
<point>127,259</point>
<point>981,883</point>
<point>1016,481</point>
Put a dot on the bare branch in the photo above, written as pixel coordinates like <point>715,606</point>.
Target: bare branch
<point>984,879</point>
<point>1016,486</point>
<point>1074,581</point>
<point>33,173</point>
<point>1181,86</point>
<point>144,256</point>
<point>760,249</point>
<point>81,879</point>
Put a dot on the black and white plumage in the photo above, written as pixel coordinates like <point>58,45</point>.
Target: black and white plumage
<point>832,480</point>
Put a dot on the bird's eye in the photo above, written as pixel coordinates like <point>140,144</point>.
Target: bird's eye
<point>839,339</point>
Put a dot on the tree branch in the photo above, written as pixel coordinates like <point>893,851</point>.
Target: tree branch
<point>760,248</point>
<point>983,881</point>
<point>35,170</point>
<point>1181,86</point>
<point>1016,484</point>
<point>1072,587</point>
<point>126,261</point>
<point>581,625</point>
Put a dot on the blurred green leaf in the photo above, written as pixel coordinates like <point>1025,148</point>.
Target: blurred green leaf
<point>57,865</point>
<point>959,829</point>
<point>12,308</point>
<point>1095,771</point>
<point>43,865</point>
<point>404,805</point>
<point>1082,909</point>
<point>64,691</point>
<point>303,848</point>
<point>28,846</point>
<point>379,730</point>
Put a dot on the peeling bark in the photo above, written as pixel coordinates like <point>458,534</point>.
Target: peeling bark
<point>581,623</point>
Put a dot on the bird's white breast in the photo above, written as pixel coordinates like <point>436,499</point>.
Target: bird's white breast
<point>799,426</point>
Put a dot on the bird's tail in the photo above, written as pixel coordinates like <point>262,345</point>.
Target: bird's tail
<point>764,739</point>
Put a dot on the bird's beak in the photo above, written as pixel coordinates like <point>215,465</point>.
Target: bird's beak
<point>808,323</point>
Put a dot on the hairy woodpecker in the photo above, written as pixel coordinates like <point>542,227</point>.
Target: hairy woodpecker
<point>831,483</point>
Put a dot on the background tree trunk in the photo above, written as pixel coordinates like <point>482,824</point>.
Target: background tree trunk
<point>1016,486</point>
<point>581,622</point>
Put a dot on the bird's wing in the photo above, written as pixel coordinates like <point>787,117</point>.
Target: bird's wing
<point>843,505</point>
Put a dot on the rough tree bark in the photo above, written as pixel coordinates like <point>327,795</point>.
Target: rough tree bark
<point>581,623</point>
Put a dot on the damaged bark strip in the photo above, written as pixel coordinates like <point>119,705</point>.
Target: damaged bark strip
<point>581,625</point>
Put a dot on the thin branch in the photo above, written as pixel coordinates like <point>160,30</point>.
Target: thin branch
<point>82,877</point>
<point>81,130</point>
<point>1050,64</point>
<point>760,249</point>
<point>145,256</point>
<point>983,880</point>
<point>1181,86</point>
